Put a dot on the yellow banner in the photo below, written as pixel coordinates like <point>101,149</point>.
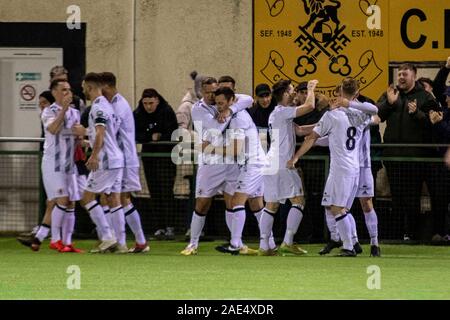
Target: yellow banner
<point>329,39</point>
<point>419,30</point>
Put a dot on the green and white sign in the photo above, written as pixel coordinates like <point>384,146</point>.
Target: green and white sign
<point>28,76</point>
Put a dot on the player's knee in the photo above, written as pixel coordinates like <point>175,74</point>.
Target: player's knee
<point>272,206</point>
<point>125,199</point>
<point>300,201</point>
<point>256,204</point>
<point>63,202</point>
<point>202,205</point>
<point>366,204</point>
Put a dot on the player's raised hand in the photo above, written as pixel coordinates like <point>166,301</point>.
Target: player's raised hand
<point>392,94</point>
<point>312,84</point>
<point>67,100</point>
<point>447,65</point>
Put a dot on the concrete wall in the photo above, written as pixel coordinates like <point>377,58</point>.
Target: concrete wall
<point>176,37</point>
<point>173,38</point>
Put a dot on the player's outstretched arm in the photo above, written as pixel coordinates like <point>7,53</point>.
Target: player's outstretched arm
<point>242,102</point>
<point>302,131</point>
<point>306,146</point>
<point>365,107</point>
<point>310,102</point>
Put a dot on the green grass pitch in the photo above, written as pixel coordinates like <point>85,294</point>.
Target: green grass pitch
<point>406,272</point>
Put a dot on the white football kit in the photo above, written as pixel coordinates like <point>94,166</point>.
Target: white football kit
<point>250,180</point>
<point>281,183</point>
<point>366,188</point>
<point>214,177</point>
<point>108,178</point>
<point>344,127</point>
<point>58,165</point>
<point>127,144</point>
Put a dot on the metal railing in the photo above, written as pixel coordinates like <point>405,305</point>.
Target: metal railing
<point>22,199</point>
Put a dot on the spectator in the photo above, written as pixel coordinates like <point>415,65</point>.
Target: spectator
<point>405,109</point>
<point>46,99</point>
<point>262,108</point>
<point>438,86</point>
<point>439,185</point>
<point>155,121</point>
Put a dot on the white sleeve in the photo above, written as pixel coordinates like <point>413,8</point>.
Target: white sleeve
<point>243,102</point>
<point>324,125</point>
<point>201,118</point>
<point>47,117</point>
<point>101,115</point>
<point>286,113</point>
<point>365,107</point>
<point>322,142</point>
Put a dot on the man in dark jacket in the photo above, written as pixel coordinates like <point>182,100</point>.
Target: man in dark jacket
<point>155,121</point>
<point>262,108</point>
<point>440,176</point>
<point>405,108</point>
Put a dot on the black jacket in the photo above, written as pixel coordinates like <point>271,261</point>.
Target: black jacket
<point>163,121</point>
<point>441,132</point>
<point>403,127</point>
<point>439,85</point>
<point>261,115</point>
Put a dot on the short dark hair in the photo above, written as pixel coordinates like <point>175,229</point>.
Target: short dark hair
<point>407,66</point>
<point>93,77</point>
<point>301,86</point>
<point>55,83</point>
<point>223,79</point>
<point>109,79</point>
<point>279,88</point>
<point>350,86</point>
<point>423,80</point>
<point>209,80</point>
<point>227,92</point>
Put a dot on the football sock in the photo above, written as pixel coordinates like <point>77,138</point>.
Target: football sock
<point>229,218</point>
<point>42,232</point>
<point>331,224</point>
<point>294,219</point>
<point>372,226</point>
<point>108,216</point>
<point>134,222</point>
<point>58,213</point>
<point>197,224</point>
<point>118,219</point>
<point>237,226</point>
<point>265,228</point>
<point>353,224</point>
<point>344,228</point>
<point>258,216</point>
<point>98,217</point>
<point>68,226</point>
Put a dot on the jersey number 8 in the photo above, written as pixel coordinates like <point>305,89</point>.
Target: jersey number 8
<point>351,142</point>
